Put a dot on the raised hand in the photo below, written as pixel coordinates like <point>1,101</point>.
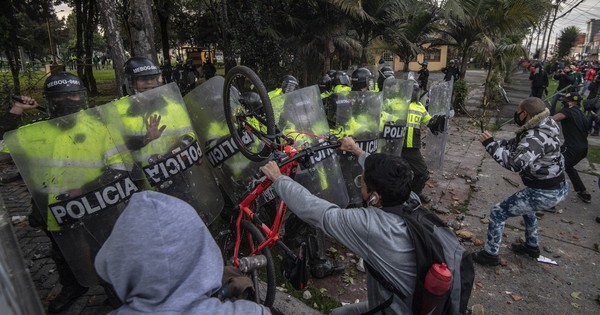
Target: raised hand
<point>152,130</point>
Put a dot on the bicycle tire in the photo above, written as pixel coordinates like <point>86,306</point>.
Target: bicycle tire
<point>243,79</point>
<point>226,242</point>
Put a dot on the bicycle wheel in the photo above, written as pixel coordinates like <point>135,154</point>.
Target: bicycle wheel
<point>249,118</point>
<point>251,237</point>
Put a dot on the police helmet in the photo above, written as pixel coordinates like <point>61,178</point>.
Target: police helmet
<point>64,94</point>
<point>324,84</point>
<point>341,78</point>
<point>361,79</point>
<point>386,72</point>
<point>288,83</point>
<point>251,100</point>
<point>425,64</point>
<point>415,92</point>
<point>140,68</point>
<point>452,62</point>
<point>331,73</point>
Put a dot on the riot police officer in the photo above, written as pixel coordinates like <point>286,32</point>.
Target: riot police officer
<point>287,83</point>
<point>423,76</point>
<point>75,144</point>
<point>362,80</point>
<point>384,73</point>
<point>411,151</point>
<point>141,74</point>
<point>325,86</point>
<point>341,82</point>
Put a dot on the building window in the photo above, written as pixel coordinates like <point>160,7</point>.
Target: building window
<point>433,54</point>
<point>388,56</point>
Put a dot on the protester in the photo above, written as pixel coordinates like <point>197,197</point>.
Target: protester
<point>535,154</point>
<point>539,81</point>
<point>565,83</point>
<point>575,128</point>
<point>379,237</point>
<point>160,258</point>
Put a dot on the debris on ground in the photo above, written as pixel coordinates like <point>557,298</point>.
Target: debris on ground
<point>547,260</point>
<point>464,234</point>
<point>510,181</point>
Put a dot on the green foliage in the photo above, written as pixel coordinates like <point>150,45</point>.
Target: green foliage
<point>594,154</point>
<point>566,39</point>
<point>460,93</point>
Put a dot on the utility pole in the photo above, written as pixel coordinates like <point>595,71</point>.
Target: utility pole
<point>556,7</point>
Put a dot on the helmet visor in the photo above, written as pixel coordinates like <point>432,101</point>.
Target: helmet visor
<point>62,104</point>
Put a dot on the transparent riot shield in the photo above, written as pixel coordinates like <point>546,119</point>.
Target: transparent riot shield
<point>17,292</point>
<point>79,182</point>
<point>301,119</point>
<point>172,161</point>
<point>357,116</point>
<point>392,127</point>
<point>234,172</point>
<point>440,102</point>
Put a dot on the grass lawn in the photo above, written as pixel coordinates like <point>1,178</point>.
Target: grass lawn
<point>593,155</point>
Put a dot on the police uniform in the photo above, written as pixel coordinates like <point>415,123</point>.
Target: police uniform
<point>417,115</point>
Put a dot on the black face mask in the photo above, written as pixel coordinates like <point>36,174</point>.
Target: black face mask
<point>518,121</point>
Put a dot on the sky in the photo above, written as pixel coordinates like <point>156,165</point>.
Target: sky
<point>579,16</point>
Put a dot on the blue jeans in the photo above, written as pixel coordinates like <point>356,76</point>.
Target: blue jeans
<point>524,203</point>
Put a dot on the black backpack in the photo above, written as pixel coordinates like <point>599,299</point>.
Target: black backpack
<point>434,243</point>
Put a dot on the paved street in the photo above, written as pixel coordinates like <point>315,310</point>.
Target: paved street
<point>471,182</point>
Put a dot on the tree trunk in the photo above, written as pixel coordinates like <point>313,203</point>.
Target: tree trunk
<point>163,11</point>
<point>227,52</point>
<point>79,18</point>
<point>142,29</point>
<point>114,40</point>
<point>13,63</point>
<point>90,27</point>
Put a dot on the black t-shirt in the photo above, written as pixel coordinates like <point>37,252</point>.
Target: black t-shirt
<point>574,127</point>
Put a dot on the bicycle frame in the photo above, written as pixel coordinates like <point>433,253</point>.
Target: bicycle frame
<point>287,167</point>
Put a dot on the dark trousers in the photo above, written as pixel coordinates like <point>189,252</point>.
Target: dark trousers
<point>572,157</point>
<point>537,92</point>
<point>419,167</point>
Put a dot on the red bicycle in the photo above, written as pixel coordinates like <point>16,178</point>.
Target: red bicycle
<point>249,115</point>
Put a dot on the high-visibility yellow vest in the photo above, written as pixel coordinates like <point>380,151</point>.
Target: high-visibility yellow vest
<point>68,159</point>
<point>417,115</point>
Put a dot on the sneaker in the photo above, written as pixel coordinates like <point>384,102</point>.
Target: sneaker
<point>424,199</point>
<point>66,297</point>
<point>584,196</point>
<point>484,258</point>
<point>520,248</point>
<point>551,210</point>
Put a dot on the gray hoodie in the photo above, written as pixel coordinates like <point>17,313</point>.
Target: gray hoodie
<point>161,259</point>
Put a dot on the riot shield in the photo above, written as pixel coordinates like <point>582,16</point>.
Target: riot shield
<point>396,100</point>
<point>234,172</point>
<point>79,182</point>
<point>357,116</point>
<point>17,293</point>
<point>301,120</point>
<point>440,102</point>
<point>172,162</point>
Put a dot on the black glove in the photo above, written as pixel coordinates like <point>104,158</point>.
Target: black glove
<point>437,124</point>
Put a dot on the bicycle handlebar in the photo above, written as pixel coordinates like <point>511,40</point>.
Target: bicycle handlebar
<point>308,152</point>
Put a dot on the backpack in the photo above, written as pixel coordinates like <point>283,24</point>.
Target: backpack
<point>434,243</point>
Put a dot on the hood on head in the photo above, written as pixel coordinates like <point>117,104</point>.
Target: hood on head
<point>160,257</point>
